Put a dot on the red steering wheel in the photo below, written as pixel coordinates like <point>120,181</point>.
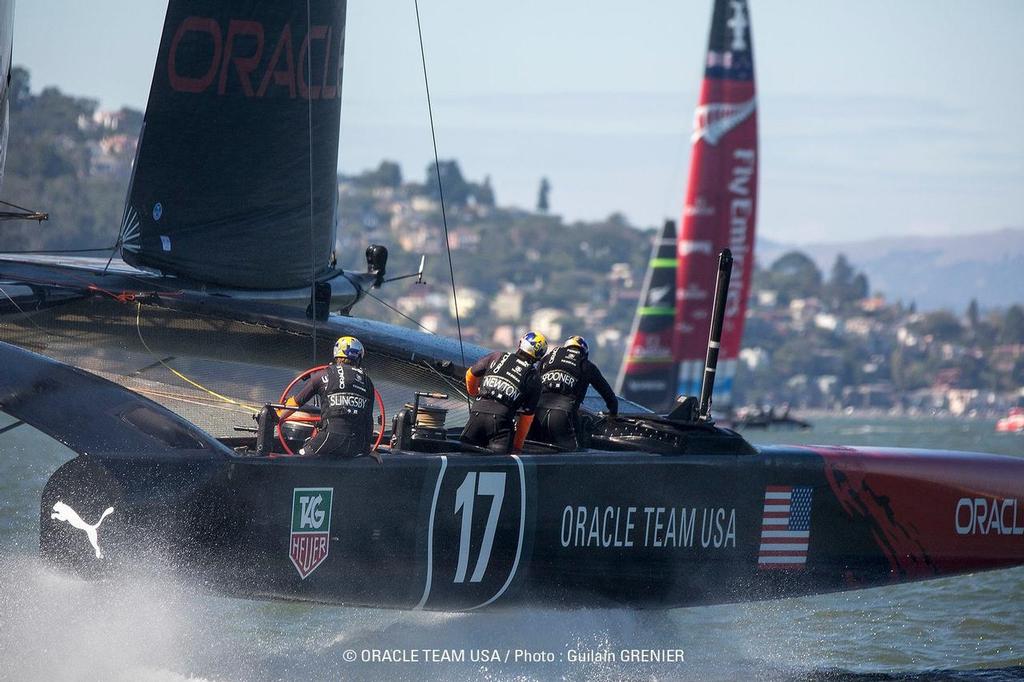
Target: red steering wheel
<point>310,419</point>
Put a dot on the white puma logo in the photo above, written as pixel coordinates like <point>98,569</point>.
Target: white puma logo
<point>63,512</point>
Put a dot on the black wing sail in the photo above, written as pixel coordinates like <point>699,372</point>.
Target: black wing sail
<point>648,368</point>
<point>243,115</point>
<point>6,46</point>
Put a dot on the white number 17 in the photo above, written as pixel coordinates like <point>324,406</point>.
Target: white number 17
<point>490,483</point>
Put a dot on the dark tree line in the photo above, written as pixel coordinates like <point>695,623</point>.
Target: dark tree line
<point>48,169</point>
<point>794,275</point>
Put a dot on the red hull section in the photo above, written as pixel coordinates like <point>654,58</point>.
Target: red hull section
<point>721,201</point>
<point>932,513</point>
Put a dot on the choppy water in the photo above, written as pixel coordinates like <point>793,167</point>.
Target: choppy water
<point>159,627</point>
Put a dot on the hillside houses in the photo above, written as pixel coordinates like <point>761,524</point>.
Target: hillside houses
<point>810,341</point>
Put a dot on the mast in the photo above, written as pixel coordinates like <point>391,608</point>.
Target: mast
<point>647,375</point>
<point>6,57</point>
<point>721,199</point>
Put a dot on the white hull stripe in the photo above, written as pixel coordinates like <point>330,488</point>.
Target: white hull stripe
<point>785,534</point>
<point>522,529</point>
<point>784,547</point>
<point>430,535</point>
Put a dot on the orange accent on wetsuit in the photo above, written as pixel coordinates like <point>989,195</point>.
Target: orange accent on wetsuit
<point>472,383</point>
<point>522,428</point>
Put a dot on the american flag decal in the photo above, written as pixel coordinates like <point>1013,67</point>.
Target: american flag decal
<point>785,527</point>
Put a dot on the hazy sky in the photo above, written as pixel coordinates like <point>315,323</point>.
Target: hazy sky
<point>876,117</point>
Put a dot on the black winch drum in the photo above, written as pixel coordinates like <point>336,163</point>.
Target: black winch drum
<point>429,421</point>
<point>296,433</point>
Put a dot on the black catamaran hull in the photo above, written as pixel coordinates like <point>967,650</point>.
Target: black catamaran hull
<point>586,530</point>
<point>459,531</point>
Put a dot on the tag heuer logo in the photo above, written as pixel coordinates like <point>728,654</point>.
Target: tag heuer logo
<point>311,528</point>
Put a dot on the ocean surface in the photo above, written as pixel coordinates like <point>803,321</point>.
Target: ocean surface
<point>162,627</point>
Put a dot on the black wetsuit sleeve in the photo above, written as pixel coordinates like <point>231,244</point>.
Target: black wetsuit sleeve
<point>479,367</point>
<point>369,412</point>
<point>531,394</point>
<point>311,388</point>
<point>601,385</point>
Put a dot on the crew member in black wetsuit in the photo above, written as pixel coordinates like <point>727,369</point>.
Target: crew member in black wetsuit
<point>346,404</point>
<point>504,384</point>
<point>565,375</point>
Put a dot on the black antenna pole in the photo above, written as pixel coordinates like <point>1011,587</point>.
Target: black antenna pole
<point>715,337</point>
<point>309,130</point>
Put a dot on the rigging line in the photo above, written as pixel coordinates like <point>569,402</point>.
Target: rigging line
<point>110,260</point>
<point>454,384</point>
<point>309,116</point>
<point>676,179</point>
<point>446,379</point>
<point>138,329</point>
<point>369,293</point>
<point>399,312</point>
<point>89,285</point>
<point>152,282</point>
<point>20,208</point>
<point>185,399</point>
<point>13,425</point>
<point>28,317</point>
<point>59,251</point>
<point>440,187</point>
<point>37,216</point>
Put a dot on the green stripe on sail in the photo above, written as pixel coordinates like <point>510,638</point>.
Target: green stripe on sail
<point>665,360</point>
<point>663,262</point>
<point>656,310</point>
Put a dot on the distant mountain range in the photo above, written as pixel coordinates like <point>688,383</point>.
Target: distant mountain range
<point>934,272</point>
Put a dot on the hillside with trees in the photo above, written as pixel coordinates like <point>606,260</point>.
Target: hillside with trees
<point>813,338</point>
<point>67,159</point>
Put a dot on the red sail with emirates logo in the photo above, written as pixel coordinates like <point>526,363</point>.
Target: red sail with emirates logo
<point>721,201</point>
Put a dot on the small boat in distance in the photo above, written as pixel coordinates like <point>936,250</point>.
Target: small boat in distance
<point>1012,422</point>
<point>755,417</point>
